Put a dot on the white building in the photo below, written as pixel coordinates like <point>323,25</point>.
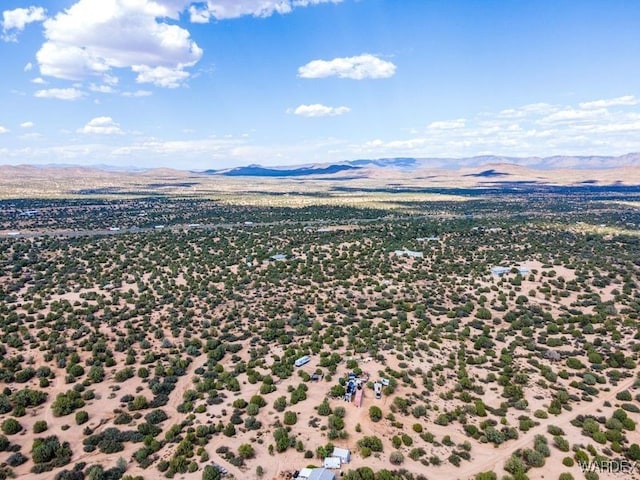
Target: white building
<point>321,474</point>
<point>342,453</point>
<point>408,253</point>
<point>332,463</point>
<point>500,270</point>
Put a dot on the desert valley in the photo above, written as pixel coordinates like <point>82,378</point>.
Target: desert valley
<point>482,324</point>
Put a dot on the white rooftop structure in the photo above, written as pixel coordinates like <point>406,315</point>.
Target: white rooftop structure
<point>500,270</point>
<point>304,473</point>
<point>408,253</point>
<point>302,361</point>
<point>332,463</point>
<point>279,256</point>
<point>322,474</point>
<point>343,454</point>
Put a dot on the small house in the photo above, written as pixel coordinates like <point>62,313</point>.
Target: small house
<point>342,453</point>
<point>408,253</point>
<point>279,256</point>
<point>332,463</point>
<point>499,271</point>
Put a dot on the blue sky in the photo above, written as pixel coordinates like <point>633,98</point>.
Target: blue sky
<point>221,83</point>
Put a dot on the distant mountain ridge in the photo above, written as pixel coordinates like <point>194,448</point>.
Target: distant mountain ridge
<point>409,164</point>
<point>394,174</point>
<point>259,171</point>
<point>490,165</point>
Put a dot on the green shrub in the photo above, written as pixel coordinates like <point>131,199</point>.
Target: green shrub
<point>209,473</point>
<point>11,426</point>
<point>290,418</point>
<point>373,443</point>
<point>81,417</point>
<point>40,426</point>
<point>280,404</point>
<point>66,403</point>
<point>486,476</point>
<point>375,414</point>
<point>246,451</point>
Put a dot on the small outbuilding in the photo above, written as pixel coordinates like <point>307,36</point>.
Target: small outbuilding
<point>321,474</point>
<point>342,453</point>
<point>304,473</point>
<point>408,253</point>
<point>499,271</point>
<point>332,463</point>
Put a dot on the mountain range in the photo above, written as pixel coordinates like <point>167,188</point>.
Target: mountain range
<point>484,172</point>
<point>408,164</point>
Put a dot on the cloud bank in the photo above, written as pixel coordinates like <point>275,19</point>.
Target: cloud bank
<point>319,110</point>
<point>356,68</point>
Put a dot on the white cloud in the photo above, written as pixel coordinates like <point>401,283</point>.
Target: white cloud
<point>27,124</point>
<point>224,9</point>
<point>3,130</point>
<point>406,145</point>
<point>38,80</point>
<point>137,93</point>
<point>448,124</point>
<point>60,93</point>
<point>97,38</point>
<point>28,67</point>
<point>199,14</point>
<point>101,88</point>
<point>606,127</point>
<point>101,126</point>
<point>611,102</point>
<point>569,115</point>
<point>319,110</point>
<point>160,76</point>
<point>14,21</point>
<point>526,110</point>
<point>357,68</point>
